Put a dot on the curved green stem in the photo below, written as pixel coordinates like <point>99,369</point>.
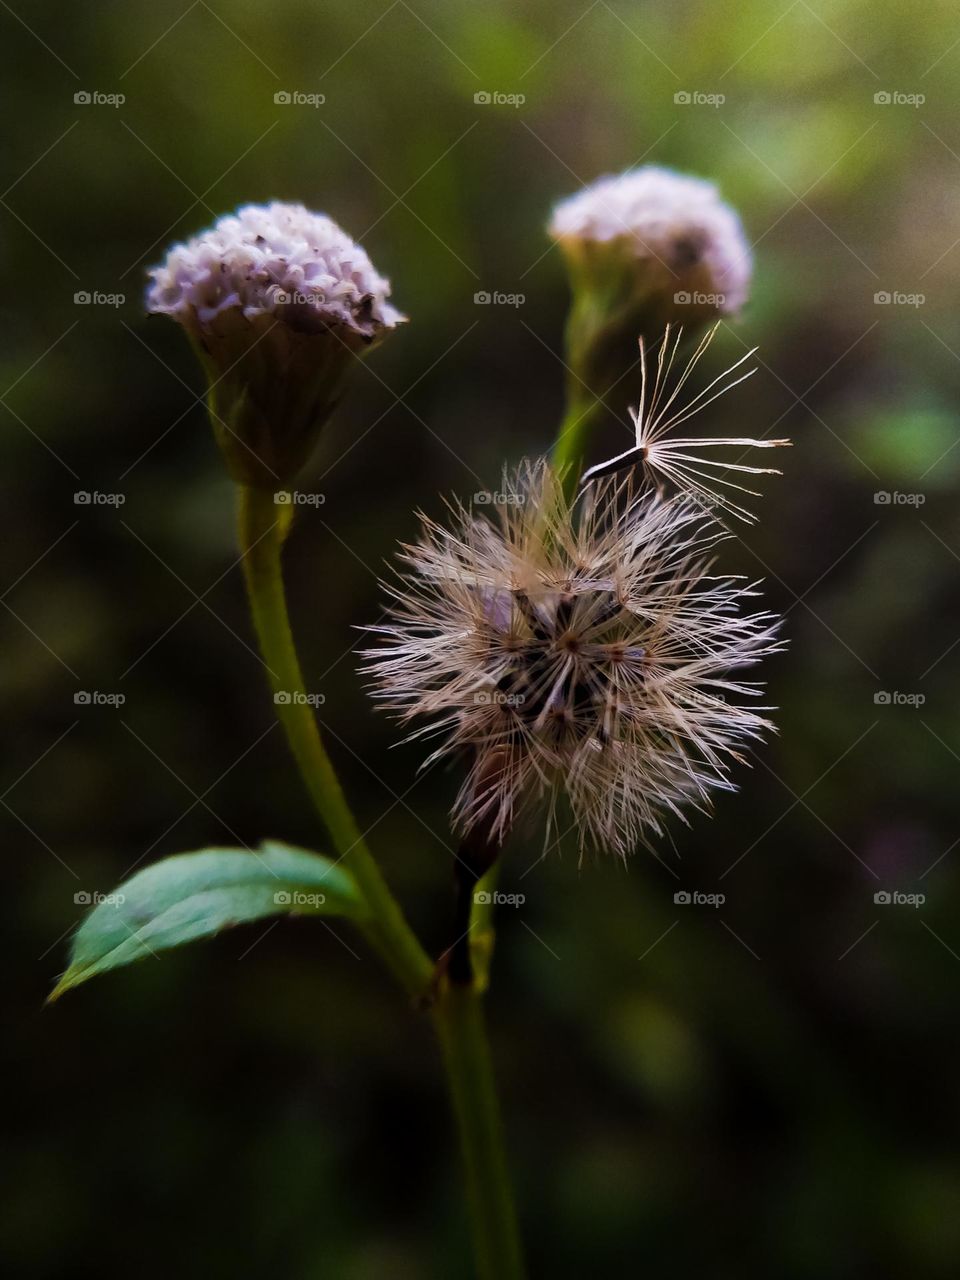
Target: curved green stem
<point>569,450</point>
<point>263,524</point>
<point>457,1012</point>
<point>458,1017</point>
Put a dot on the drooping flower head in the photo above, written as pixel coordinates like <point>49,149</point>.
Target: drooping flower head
<point>278,301</point>
<point>586,650</point>
<point>645,249</point>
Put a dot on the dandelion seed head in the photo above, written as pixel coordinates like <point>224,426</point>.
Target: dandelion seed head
<point>585,650</point>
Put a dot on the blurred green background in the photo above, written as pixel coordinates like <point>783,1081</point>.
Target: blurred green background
<point>764,1089</point>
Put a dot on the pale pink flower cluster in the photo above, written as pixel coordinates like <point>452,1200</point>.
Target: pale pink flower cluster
<point>274,259</point>
<point>674,219</point>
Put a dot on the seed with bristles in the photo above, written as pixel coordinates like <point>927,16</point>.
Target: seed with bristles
<point>683,462</point>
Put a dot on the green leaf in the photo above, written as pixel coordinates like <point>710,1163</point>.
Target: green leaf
<point>194,895</point>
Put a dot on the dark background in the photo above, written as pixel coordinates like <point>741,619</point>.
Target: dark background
<point>765,1089</point>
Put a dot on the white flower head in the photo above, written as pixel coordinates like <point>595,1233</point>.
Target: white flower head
<point>279,260</point>
<point>674,226</point>
<point>278,303</point>
<point>584,649</point>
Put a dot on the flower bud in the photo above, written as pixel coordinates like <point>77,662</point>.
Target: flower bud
<point>645,249</point>
<point>278,302</point>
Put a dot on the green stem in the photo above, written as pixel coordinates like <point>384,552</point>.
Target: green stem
<point>570,447</point>
<point>458,1017</point>
<point>483,934</point>
<point>457,1012</point>
<point>263,526</point>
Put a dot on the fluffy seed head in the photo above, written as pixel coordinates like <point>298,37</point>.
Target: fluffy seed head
<point>586,650</point>
<point>678,233</point>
